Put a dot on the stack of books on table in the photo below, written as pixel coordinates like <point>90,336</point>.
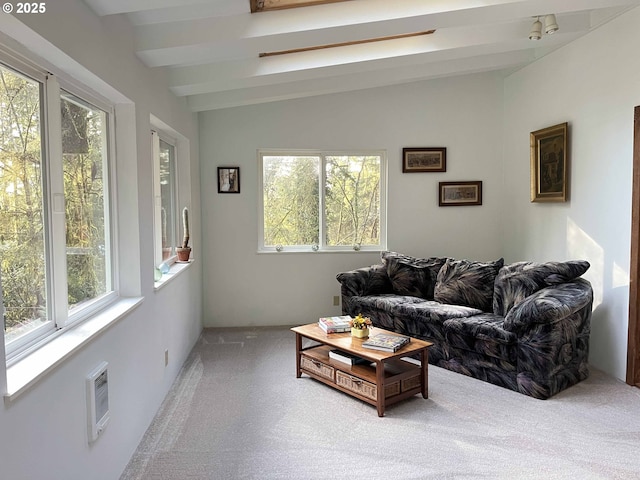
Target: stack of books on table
<point>335,324</point>
<point>386,342</point>
<point>347,358</point>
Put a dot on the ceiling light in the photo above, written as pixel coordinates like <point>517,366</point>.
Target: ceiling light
<point>550,25</point>
<point>536,30</point>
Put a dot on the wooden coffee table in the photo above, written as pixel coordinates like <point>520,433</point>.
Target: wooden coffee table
<point>386,380</point>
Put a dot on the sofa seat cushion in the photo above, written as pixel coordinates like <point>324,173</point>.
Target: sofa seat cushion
<point>469,283</point>
<point>411,316</point>
<point>412,276</point>
<point>517,281</point>
<point>425,319</point>
<point>483,334</point>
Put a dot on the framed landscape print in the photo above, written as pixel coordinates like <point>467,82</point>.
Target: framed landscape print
<point>549,164</point>
<point>451,194</point>
<point>424,159</point>
<point>228,179</point>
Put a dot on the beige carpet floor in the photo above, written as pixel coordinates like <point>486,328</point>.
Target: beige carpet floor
<point>237,411</point>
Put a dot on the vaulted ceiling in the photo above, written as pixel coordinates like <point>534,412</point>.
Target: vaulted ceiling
<point>211,48</point>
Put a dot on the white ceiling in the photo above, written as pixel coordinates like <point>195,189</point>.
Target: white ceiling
<point>210,47</point>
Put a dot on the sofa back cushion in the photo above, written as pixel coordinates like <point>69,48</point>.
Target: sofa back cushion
<point>412,276</point>
<point>468,283</point>
<point>371,280</point>
<point>517,281</point>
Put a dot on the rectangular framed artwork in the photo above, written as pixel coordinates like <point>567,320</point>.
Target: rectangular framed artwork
<point>228,179</point>
<point>549,164</point>
<point>424,159</point>
<point>451,194</point>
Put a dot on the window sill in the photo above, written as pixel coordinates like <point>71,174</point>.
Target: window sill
<point>27,371</point>
<point>176,269</point>
<point>319,252</point>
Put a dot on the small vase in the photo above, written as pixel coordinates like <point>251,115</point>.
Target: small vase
<point>360,332</point>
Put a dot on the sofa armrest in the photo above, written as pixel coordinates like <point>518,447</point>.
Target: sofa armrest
<point>549,305</point>
<point>553,327</point>
<point>371,280</point>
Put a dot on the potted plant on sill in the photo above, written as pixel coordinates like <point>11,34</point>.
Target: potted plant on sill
<point>185,251</point>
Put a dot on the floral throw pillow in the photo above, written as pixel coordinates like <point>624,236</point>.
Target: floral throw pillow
<point>517,281</point>
<point>467,283</point>
<point>412,276</point>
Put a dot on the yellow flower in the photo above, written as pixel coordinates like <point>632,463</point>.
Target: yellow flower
<point>360,322</point>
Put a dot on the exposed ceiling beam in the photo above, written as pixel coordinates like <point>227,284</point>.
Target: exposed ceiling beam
<point>338,84</point>
<point>207,39</point>
<point>209,49</point>
<point>234,75</point>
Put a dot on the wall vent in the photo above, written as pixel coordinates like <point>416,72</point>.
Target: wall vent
<point>97,401</point>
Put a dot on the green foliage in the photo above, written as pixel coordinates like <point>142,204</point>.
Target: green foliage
<point>352,200</point>
<point>292,200</point>
<point>23,251</point>
<point>21,218</point>
<point>83,150</point>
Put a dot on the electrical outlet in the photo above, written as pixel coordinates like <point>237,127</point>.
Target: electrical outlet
<point>166,358</point>
<point>336,300</point>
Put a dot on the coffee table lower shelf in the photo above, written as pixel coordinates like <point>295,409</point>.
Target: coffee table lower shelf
<point>402,379</point>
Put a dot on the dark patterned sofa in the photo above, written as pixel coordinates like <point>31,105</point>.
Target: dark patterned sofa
<point>523,326</point>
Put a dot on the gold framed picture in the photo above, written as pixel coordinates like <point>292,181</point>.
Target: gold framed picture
<point>424,159</point>
<point>549,164</point>
<point>452,194</point>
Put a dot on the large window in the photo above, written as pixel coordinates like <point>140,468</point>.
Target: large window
<point>165,185</point>
<point>55,232</point>
<point>85,167</point>
<point>322,201</point>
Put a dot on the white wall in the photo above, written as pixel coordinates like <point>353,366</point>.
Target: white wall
<point>43,432</point>
<point>463,114</point>
<point>594,84</point>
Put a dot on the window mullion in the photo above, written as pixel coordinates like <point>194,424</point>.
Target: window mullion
<point>322,178</point>
<point>110,206</point>
<point>56,204</point>
<point>173,176</point>
<point>157,198</point>
<point>3,353</point>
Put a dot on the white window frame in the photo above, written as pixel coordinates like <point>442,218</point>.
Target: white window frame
<point>60,316</point>
<point>322,246</point>
<point>156,136</point>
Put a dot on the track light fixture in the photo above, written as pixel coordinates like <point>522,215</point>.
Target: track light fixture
<point>550,26</point>
<point>536,30</point>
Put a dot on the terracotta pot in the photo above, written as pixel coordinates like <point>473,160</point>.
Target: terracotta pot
<point>183,254</point>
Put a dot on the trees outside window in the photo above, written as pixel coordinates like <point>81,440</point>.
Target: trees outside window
<point>55,235</point>
<point>84,152</point>
<point>322,201</point>
<point>22,227</point>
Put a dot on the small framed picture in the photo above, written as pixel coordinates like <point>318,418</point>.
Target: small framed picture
<point>424,159</point>
<point>228,179</point>
<point>549,164</point>
<point>453,194</point>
